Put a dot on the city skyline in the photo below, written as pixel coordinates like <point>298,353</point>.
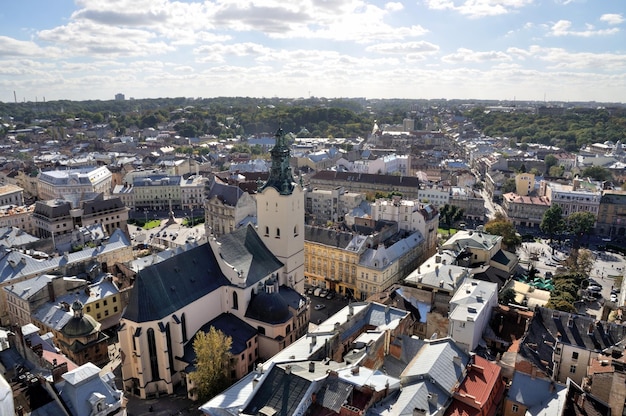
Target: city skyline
<point>554,50</point>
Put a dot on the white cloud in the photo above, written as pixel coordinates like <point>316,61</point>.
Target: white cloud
<point>561,58</point>
<point>612,19</point>
<point>478,8</point>
<point>394,6</point>
<point>562,28</point>
<point>402,48</point>
<point>468,55</point>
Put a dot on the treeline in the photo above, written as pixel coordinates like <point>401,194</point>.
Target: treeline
<point>222,117</point>
<point>572,130</point>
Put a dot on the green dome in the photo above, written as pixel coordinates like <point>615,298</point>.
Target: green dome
<point>80,327</point>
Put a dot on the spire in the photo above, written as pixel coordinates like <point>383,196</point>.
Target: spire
<point>280,177</point>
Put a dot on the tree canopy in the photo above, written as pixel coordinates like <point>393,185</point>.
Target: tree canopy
<point>212,374</point>
<point>450,214</point>
<point>580,224</point>
<point>552,221</point>
<point>500,225</point>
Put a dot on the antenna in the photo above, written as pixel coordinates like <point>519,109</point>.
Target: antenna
<point>15,96</point>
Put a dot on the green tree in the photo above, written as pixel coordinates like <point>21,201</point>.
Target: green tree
<point>580,224</point>
<point>597,173</point>
<point>506,296</point>
<point>501,226</point>
<point>450,214</point>
<point>556,171</point>
<point>509,186</point>
<point>580,261</point>
<point>212,373</point>
<point>550,160</point>
<point>552,221</point>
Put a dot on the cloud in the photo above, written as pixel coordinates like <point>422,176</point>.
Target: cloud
<point>10,47</point>
<point>478,8</point>
<point>403,48</point>
<point>612,19</point>
<point>468,55</point>
<point>562,28</point>
<point>563,59</point>
<point>394,6</point>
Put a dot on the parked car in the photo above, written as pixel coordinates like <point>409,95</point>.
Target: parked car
<point>613,297</point>
<point>310,290</point>
<point>594,288</point>
<point>323,293</point>
<point>330,295</point>
<point>319,307</point>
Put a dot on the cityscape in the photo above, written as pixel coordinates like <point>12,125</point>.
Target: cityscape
<point>242,256</point>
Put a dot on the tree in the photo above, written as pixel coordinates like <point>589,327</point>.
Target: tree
<point>580,224</point>
<point>550,161</point>
<point>552,221</point>
<point>580,261</point>
<point>506,296</point>
<point>556,171</point>
<point>509,186</point>
<point>450,214</point>
<point>501,226</point>
<point>597,173</point>
<point>212,373</point>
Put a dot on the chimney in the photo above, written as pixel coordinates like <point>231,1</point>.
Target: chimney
<point>312,367</point>
<point>288,369</point>
<point>432,398</point>
<point>51,295</point>
<point>313,339</point>
<point>355,370</point>
<point>457,360</point>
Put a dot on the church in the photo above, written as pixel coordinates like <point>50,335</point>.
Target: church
<point>247,283</point>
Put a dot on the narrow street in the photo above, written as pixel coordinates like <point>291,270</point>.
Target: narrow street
<point>490,206</point>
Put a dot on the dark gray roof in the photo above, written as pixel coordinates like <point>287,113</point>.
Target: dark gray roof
<point>268,307</point>
<point>165,287</point>
<point>576,330</point>
<point>228,194</point>
<point>392,180</point>
<point>327,236</point>
<point>245,251</point>
<point>280,391</point>
<point>239,331</point>
<point>334,394</point>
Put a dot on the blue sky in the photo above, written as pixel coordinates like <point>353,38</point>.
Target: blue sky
<point>560,50</point>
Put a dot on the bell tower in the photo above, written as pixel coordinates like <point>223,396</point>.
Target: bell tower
<point>280,215</point>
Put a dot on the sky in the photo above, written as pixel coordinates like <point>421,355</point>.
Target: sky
<point>553,50</point>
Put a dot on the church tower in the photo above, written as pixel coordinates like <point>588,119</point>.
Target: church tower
<point>280,216</point>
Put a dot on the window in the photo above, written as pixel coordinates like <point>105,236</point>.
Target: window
<point>267,231</point>
<point>114,309</point>
<point>105,302</point>
<point>572,369</point>
<point>278,233</point>
<point>235,301</point>
<point>515,408</point>
<point>574,355</point>
<point>97,305</point>
<point>152,352</point>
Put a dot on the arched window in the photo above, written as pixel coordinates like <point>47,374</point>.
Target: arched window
<point>183,327</point>
<point>235,301</point>
<point>278,233</point>
<point>170,355</point>
<point>267,230</point>
<point>152,353</point>
<point>295,231</point>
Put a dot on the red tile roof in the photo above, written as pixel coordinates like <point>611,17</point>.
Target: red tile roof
<point>482,380</point>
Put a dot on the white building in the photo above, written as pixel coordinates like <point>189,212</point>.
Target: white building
<point>470,312</point>
<point>57,183</point>
<point>437,196</point>
<point>581,196</point>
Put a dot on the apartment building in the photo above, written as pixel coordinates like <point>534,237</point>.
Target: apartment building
<point>55,184</point>
<point>330,205</point>
<point>580,196</point>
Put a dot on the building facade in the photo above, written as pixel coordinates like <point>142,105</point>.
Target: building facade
<point>55,184</point>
